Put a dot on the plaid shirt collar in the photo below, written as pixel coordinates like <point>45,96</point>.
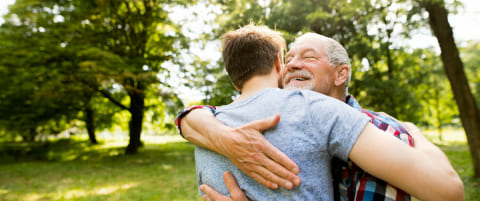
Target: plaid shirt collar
<point>350,100</point>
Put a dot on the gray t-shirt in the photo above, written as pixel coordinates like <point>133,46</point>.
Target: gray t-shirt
<point>313,128</point>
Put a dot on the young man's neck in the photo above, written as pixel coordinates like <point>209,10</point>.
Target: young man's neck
<point>257,83</point>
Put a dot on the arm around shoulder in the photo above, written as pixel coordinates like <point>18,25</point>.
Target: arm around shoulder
<point>423,171</point>
<point>245,146</point>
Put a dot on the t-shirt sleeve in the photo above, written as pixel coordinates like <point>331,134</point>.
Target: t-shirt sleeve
<point>342,123</point>
<point>187,110</point>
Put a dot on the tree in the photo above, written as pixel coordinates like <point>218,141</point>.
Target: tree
<point>453,66</point>
<point>435,94</point>
<point>130,41</point>
<point>31,79</point>
<point>116,49</point>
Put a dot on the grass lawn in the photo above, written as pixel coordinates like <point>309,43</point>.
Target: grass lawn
<point>455,146</point>
<point>163,170</point>
<point>73,170</point>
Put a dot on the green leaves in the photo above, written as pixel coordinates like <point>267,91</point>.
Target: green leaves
<point>64,56</point>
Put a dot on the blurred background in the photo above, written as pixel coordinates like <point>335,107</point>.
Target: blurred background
<point>101,81</point>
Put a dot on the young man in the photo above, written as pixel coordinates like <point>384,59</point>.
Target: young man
<point>313,138</point>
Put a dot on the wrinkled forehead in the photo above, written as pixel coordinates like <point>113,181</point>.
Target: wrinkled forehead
<point>305,44</point>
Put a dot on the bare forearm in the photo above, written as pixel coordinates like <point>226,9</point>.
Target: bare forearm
<point>201,128</point>
<point>419,171</point>
<point>437,158</point>
<point>424,145</point>
<point>436,178</point>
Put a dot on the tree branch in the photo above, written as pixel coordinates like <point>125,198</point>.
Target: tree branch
<point>105,94</point>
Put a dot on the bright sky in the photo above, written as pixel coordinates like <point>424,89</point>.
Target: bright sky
<point>466,24</point>
<point>4,8</point>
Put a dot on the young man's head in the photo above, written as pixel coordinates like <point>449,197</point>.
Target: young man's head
<point>317,63</point>
<point>251,51</point>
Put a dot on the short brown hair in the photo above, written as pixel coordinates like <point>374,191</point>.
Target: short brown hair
<point>249,51</point>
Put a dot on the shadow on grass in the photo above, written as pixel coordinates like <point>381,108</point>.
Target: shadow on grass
<point>69,150</point>
<point>39,151</point>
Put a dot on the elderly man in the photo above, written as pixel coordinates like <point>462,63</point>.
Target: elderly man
<point>320,64</point>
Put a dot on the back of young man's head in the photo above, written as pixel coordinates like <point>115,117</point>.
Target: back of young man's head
<point>250,51</point>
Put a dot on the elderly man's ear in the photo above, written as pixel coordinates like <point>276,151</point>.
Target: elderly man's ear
<point>342,73</point>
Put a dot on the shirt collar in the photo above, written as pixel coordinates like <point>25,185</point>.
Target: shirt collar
<point>350,100</point>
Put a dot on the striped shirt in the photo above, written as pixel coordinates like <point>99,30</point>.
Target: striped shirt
<point>352,183</point>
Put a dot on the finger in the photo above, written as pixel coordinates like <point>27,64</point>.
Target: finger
<point>269,176</point>
<point>235,191</point>
<point>387,115</point>
<point>265,177</point>
<point>270,170</point>
<point>410,127</point>
<point>206,198</point>
<point>283,168</point>
<point>278,163</point>
<point>415,132</point>
<point>280,158</point>
<point>211,194</point>
<point>279,175</point>
<point>264,124</point>
<point>270,150</point>
<point>262,180</point>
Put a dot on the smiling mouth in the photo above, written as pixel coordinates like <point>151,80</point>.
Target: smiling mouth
<point>299,79</point>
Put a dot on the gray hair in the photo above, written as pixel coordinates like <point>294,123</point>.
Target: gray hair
<point>337,55</point>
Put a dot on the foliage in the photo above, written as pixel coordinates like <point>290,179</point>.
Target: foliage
<point>437,96</point>
<point>33,80</point>
<point>70,56</point>
<point>471,60</point>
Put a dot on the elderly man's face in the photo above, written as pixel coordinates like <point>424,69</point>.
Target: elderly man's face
<point>307,66</point>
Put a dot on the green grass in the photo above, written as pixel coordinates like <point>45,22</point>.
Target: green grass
<point>73,170</point>
<point>164,169</point>
<point>455,146</point>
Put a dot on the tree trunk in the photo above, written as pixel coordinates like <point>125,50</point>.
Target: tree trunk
<point>29,136</point>
<point>453,66</point>
<point>390,74</point>
<point>90,124</point>
<point>137,107</point>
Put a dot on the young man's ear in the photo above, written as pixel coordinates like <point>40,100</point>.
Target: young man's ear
<point>236,87</point>
<point>342,73</point>
<point>279,63</point>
